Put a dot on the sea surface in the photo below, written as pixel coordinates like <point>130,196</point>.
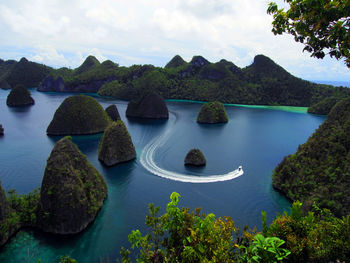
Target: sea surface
<point>255,137</point>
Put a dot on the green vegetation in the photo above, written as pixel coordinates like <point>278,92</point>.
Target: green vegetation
<point>183,236</point>
<point>72,190</point>
<point>175,62</point>
<point>116,145</point>
<point>195,157</point>
<point>116,90</point>
<point>323,26</point>
<point>79,114</point>
<point>212,112</point>
<point>319,171</point>
<point>18,97</point>
<point>17,211</point>
<point>26,73</point>
<point>315,237</point>
<point>89,63</point>
<point>324,106</point>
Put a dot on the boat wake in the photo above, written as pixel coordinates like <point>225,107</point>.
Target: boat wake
<point>147,161</point>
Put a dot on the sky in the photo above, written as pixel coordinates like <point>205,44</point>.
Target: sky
<point>64,32</point>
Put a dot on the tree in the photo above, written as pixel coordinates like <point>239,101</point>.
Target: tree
<point>322,25</point>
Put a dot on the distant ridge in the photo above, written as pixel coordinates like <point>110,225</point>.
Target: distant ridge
<point>263,82</point>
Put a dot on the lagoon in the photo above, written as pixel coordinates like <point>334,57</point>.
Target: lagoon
<point>255,137</point>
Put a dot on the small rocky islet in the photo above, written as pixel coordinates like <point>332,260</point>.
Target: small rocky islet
<point>116,145</point>
<point>19,96</point>
<point>78,115</point>
<point>113,112</point>
<point>149,106</point>
<point>1,130</point>
<point>71,194</point>
<point>195,157</point>
<point>212,112</point>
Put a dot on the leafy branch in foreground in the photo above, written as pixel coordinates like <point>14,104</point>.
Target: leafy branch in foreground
<point>183,236</point>
<point>319,24</point>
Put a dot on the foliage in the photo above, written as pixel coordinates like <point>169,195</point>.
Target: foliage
<point>183,236</point>
<point>322,25</point>
<point>67,259</point>
<point>264,249</point>
<point>315,237</point>
<point>319,171</point>
<point>324,106</point>
<point>26,206</point>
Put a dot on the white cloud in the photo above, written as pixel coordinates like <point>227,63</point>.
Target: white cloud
<point>59,32</point>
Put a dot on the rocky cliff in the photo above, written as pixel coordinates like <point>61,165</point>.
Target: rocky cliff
<point>72,191</point>
<point>116,145</point>
<point>212,112</point>
<point>150,106</point>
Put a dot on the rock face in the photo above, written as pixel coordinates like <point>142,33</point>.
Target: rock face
<point>1,130</point>
<point>51,84</point>
<point>58,85</point>
<point>116,145</point>
<point>113,113</point>
<point>78,115</point>
<point>72,190</point>
<point>150,106</point>
<point>212,112</point>
<point>195,157</point>
<point>19,96</point>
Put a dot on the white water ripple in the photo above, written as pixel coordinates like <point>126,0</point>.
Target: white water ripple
<point>147,161</point>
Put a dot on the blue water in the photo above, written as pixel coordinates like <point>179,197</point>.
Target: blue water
<point>258,139</point>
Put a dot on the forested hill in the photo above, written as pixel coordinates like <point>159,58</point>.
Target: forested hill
<point>24,72</point>
<point>319,172</point>
<point>263,82</point>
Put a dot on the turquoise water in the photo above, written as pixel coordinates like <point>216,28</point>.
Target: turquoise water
<point>257,138</point>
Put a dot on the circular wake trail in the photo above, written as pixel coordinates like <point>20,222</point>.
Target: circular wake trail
<point>147,161</point>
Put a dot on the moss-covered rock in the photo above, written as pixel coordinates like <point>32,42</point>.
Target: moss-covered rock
<point>113,112</point>
<point>212,112</point>
<point>78,115</point>
<point>19,96</point>
<point>1,130</point>
<point>195,157</point>
<point>116,145</point>
<point>72,190</point>
<point>150,106</point>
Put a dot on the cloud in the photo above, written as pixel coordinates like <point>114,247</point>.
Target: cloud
<point>59,32</point>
